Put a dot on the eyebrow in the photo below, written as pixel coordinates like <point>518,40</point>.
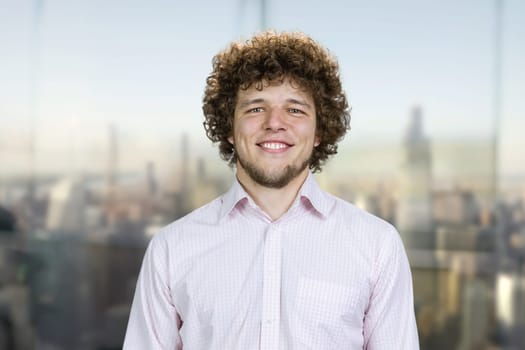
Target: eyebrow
<point>299,102</point>
<point>246,103</point>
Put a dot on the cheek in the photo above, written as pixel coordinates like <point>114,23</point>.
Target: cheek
<point>308,131</point>
<point>244,130</point>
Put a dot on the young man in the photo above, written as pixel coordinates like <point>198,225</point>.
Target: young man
<point>275,263</point>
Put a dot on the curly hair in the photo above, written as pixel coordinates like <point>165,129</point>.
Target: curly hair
<point>270,57</point>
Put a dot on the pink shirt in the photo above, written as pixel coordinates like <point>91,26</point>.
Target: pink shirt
<point>326,275</point>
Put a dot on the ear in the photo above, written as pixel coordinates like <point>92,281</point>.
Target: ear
<point>317,141</point>
<point>230,140</point>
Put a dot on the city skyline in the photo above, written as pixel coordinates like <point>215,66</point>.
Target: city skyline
<point>92,64</point>
<point>102,145</point>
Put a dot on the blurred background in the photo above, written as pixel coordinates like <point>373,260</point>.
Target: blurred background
<point>101,144</point>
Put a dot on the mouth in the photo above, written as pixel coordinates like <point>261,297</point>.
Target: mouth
<point>274,146</point>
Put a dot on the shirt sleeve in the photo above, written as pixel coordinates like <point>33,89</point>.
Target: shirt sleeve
<point>153,322</point>
<point>390,320</point>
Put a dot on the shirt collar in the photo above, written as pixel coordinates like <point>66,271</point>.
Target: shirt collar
<point>231,198</point>
<point>310,191</point>
<point>321,201</point>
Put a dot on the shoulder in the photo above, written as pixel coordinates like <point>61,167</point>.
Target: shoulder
<point>376,238</point>
<point>192,223</point>
<point>370,229</point>
<point>360,218</point>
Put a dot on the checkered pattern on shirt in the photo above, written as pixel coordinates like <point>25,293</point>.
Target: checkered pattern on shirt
<point>326,275</point>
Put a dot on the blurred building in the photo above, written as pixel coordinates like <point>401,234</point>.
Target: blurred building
<point>204,186</point>
<point>510,280</point>
<point>510,309</point>
<point>66,208</point>
<point>476,315</point>
<point>414,206</point>
<point>456,207</point>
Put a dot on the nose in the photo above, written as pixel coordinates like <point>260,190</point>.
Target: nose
<point>275,120</point>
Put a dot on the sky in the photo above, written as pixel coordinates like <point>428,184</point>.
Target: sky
<point>69,69</point>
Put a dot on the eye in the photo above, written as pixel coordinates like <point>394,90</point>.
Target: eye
<point>295,111</point>
<point>255,110</point>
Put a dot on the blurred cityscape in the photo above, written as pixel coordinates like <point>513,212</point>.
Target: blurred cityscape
<point>71,242</point>
<point>71,246</point>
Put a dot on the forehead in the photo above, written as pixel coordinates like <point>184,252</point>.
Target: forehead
<point>283,85</point>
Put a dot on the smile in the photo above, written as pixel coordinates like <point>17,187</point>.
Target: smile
<point>273,145</point>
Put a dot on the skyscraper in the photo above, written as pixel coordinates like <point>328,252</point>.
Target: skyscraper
<point>414,212</point>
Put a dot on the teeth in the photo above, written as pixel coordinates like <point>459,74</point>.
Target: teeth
<point>273,145</point>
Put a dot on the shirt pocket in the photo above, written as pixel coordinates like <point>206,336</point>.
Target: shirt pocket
<point>329,315</point>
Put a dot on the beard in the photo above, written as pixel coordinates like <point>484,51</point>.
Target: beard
<point>278,179</point>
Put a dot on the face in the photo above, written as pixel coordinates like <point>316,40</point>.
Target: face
<point>274,134</point>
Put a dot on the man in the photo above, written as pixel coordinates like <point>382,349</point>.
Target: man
<point>275,263</point>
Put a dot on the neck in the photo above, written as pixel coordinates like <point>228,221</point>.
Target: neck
<point>273,201</point>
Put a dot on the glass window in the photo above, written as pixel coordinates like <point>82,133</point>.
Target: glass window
<point>102,144</point>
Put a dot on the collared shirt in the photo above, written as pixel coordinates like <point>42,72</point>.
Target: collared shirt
<point>326,275</point>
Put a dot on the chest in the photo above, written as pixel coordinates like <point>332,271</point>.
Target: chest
<point>276,274</point>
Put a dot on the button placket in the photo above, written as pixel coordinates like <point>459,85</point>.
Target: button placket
<point>271,289</point>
